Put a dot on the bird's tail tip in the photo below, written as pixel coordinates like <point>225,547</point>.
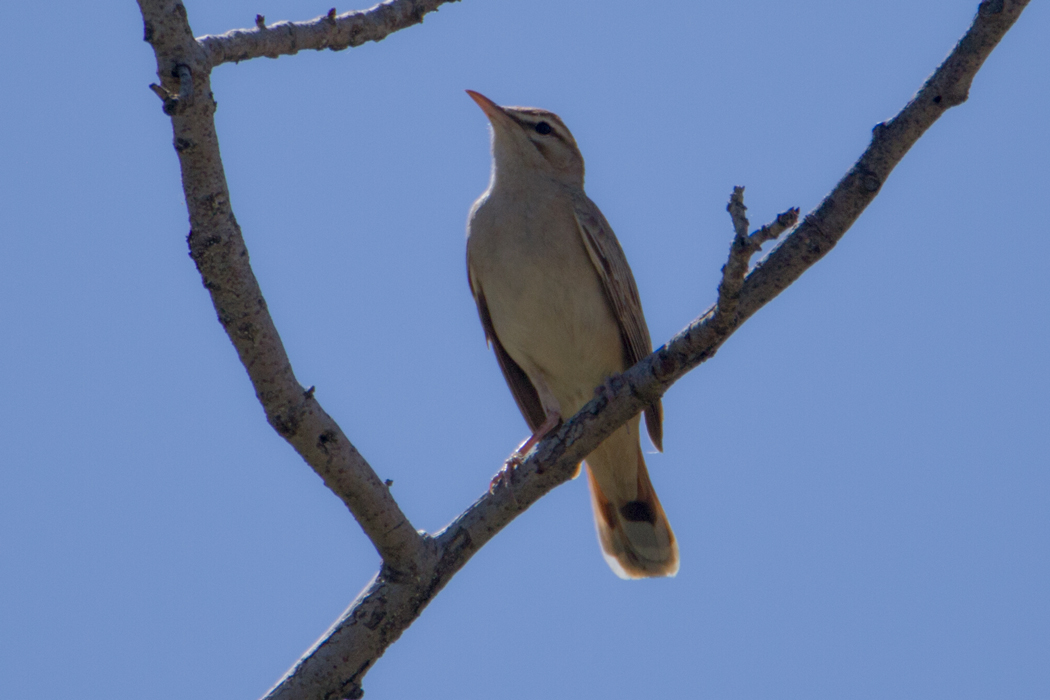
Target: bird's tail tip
<point>636,539</point>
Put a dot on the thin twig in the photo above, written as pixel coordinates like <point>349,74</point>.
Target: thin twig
<point>168,101</point>
<point>769,232</point>
<point>744,246</point>
<point>329,31</point>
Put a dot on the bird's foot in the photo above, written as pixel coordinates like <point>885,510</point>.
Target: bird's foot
<point>505,476</point>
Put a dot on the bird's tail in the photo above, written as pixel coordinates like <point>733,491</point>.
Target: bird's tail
<point>636,538</point>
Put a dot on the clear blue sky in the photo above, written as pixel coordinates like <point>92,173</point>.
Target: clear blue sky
<point>859,481</point>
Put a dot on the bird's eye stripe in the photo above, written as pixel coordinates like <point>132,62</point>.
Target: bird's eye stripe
<point>529,125</point>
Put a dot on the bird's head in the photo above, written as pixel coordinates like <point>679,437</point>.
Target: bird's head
<point>529,140</point>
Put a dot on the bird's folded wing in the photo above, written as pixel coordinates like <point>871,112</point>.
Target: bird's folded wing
<point>524,392</point>
<point>611,264</point>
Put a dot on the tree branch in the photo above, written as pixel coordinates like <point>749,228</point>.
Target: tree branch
<point>218,249</point>
<point>329,31</point>
<point>555,458</point>
<point>417,567</point>
<point>744,246</point>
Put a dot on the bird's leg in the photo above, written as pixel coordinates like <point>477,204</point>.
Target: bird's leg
<point>546,427</point>
<point>504,475</point>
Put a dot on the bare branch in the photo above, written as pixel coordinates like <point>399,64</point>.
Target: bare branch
<point>741,251</point>
<point>335,664</point>
<point>218,249</point>
<point>417,567</point>
<point>769,232</point>
<point>329,31</point>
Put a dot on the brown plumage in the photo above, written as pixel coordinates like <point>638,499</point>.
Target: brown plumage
<point>560,307</point>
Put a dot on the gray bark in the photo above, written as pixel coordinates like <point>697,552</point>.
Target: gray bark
<point>416,566</point>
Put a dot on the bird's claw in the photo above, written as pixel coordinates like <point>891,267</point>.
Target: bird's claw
<point>505,476</point>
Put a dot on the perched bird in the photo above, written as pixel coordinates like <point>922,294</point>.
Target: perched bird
<point>560,308</point>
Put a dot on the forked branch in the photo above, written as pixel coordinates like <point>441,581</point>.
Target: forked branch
<point>416,567</point>
<point>741,251</point>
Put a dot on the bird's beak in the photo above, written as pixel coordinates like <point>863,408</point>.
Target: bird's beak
<point>492,110</point>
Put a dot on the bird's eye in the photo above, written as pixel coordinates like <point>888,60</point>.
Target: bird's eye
<point>543,128</point>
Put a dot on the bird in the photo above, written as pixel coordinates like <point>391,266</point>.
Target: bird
<point>560,308</point>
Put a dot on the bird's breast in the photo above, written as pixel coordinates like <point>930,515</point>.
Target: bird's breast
<point>545,299</point>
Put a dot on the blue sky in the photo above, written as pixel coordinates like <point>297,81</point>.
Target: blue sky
<point>858,481</point>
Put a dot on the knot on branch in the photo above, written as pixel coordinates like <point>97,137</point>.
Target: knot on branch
<point>990,7</point>
<point>176,103</point>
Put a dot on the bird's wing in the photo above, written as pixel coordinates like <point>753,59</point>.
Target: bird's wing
<point>611,264</point>
<point>521,387</point>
